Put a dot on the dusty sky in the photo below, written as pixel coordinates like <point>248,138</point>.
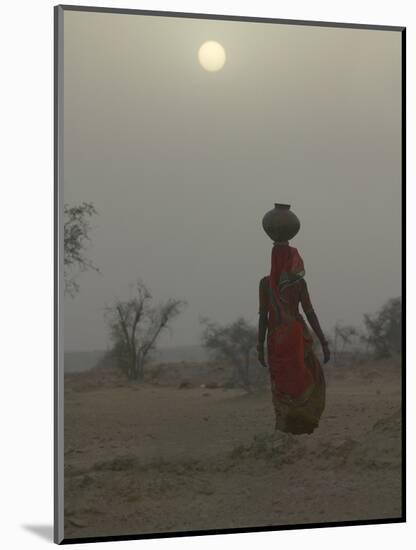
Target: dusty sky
<point>182,163</point>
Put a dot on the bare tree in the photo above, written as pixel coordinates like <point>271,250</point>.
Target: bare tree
<point>384,329</point>
<point>135,327</point>
<point>233,343</point>
<point>344,334</point>
<point>76,235</point>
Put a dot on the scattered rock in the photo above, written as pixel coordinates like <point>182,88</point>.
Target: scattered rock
<point>206,490</point>
<point>184,385</point>
<point>86,481</point>
<point>338,450</point>
<point>76,523</point>
<point>117,464</point>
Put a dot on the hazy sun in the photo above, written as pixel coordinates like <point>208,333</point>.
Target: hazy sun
<point>211,56</point>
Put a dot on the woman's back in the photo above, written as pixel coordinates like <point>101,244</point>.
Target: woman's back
<point>291,296</point>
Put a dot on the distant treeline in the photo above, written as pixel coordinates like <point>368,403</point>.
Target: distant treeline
<point>137,323</point>
<point>380,337</point>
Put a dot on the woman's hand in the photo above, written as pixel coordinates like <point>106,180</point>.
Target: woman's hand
<point>326,352</point>
<point>260,355</point>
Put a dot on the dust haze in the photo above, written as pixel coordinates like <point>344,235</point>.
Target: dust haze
<point>181,164</point>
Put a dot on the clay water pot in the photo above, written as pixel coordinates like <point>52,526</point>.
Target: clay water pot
<point>280,223</point>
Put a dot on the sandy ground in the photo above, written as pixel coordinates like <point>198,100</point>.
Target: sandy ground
<point>151,458</point>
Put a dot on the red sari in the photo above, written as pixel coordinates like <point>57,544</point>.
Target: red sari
<point>297,380</point>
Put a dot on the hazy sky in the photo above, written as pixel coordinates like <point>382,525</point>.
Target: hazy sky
<point>182,164</point>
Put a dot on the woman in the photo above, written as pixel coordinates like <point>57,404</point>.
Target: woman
<point>297,379</point>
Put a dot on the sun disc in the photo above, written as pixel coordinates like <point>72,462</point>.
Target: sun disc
<point>211,56</point>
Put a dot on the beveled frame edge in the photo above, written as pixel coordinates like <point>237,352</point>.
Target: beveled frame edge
<point>403,269</point>
<point>242,18</point>
<point>58,526</point>
<point>58,274</point>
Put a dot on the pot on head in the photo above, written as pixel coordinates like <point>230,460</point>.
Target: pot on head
<point>280,223</point>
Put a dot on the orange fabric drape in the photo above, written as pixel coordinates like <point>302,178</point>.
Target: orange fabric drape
<point>286,341</point>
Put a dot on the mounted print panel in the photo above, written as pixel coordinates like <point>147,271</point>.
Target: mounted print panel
<point>229,197</point>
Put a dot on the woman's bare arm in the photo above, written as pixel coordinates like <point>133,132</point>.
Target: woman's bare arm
<point>262,327</point>
<point>313,320</point>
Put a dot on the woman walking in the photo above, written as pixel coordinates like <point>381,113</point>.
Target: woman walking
<point>297,379</point>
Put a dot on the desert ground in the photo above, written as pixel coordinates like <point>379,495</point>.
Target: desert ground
<point>181,452</point>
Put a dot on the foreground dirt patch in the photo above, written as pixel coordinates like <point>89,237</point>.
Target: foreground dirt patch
<point>146,459</point>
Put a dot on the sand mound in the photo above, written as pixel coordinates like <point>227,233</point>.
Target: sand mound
<point>383,445</point>
<point>277,448</point>
<point>379,448</point>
